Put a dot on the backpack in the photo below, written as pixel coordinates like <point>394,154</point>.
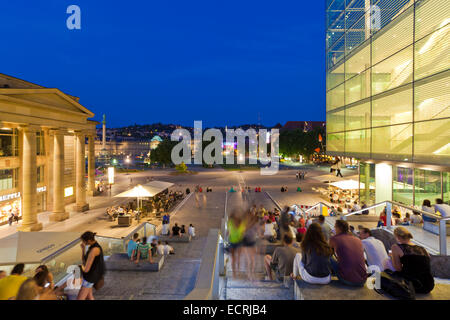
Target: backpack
<point>396,286</point>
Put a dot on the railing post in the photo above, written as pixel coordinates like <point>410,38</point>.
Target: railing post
<point>145,230</point>
<point>221,258</point>
<point>320,208</point>
<point>443,237</point>
<point>388,214</point>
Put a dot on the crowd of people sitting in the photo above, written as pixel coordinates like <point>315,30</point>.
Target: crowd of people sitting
<point>41,286</point>
<point>313,251</point>
<point>162,202</point>
<point>177,231</point>
<point>138,249</point>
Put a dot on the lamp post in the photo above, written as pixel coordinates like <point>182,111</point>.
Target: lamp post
<point>110,179</point>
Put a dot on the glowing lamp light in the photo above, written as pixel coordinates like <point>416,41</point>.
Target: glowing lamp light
<point>111,175</point>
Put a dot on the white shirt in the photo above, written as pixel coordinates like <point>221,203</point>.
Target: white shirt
<point>165,228</point>
<point>375,252</point>
<point>356,207</point>
<point>444,209</point>
<point>268,229</point>
<point>164,249</point>
<point>191,231</point>
<point>415,218</point>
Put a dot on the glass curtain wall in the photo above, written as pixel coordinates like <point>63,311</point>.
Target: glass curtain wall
<point>388,79</point>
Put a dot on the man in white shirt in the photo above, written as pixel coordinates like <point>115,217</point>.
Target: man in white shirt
<point>442,208</point>
<point>356,207</point>
<point>376,254</point>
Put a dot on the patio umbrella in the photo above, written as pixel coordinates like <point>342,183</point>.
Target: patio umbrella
<point>145,191</point>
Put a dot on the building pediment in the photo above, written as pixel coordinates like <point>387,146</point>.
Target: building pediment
<point>45,98</point>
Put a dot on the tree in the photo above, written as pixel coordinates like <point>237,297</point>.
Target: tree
<point>162,154</point>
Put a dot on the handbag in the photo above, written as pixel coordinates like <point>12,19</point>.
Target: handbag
<point>396,286</point>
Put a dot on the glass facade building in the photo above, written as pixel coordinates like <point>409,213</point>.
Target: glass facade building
<point>388,92</point>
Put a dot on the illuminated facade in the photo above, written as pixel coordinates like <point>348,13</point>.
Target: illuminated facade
<point>43,134</point>
<point>388,93</point>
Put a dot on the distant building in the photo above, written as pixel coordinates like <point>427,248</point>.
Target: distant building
<point>305,126</point>
<point>156,140</point>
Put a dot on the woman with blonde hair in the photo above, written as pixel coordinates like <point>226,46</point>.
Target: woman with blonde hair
<point>411,261</point>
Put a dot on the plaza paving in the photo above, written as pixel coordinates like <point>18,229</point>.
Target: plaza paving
<point>178,275</point>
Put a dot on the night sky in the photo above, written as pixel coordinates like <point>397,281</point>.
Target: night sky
<point>174,61</point>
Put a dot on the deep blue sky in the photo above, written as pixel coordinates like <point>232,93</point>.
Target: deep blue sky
<point>174,61</point>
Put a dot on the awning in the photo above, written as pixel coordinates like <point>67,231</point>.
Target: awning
<point>33,247</point>
<point>144,191</point>
<point>349,185</point>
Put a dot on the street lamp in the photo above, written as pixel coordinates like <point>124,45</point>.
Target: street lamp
<point>110,179</point>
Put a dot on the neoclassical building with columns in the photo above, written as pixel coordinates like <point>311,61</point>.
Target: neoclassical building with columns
<point>45,137</point>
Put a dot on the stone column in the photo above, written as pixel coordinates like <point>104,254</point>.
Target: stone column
<point>81,204</point>
<point>91,166</point>
<point>29,181</point>
<point>59,212</point>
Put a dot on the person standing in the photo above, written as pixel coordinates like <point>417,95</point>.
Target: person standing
<point>93,267</point>
<point>338,168</point>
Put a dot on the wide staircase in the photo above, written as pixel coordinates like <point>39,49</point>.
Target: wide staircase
<point>241,288</point>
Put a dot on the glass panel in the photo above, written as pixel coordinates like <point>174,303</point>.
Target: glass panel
<point>403,184</point>
<point>393,72</point>
<point>336,53</point>
<point>8,142</point>
<point>358,116</point>
<point>358,62</point>
<point>335,142</point>
<point>335,98</point>
<point>432,99</point>
<point>392,142</point>
<point>355,35</point>
<point>390,10</point>
<point>6,179</point>
<point>367,183</point>
<point>446,187</point>
<point>394,108</point>
<point>335,76</point>
<point>427,185</point>
<point>430,16</point>
<point>432,53</point>
<point>357,88</point>
<point>432,141</point>
<point>393,38</point>
<point>335,121</point>
<point>357,142</point>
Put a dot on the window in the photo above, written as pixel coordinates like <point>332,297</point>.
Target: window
<point>430,16</point>
<point>40,150</point>
<point>393,72</point>
<point>427,184</point>
<point>394,38</point>
<point>9,142</point>
<point>432,141</point>
<point>432,53</point>
<point>9,179</point>
<point>357,142</point>
<point>335,142</point>
<point>431,98</point>
<point>392,142</point>
<point>357,116</point>
<point>358,87</point>
<point>335,121</point>
<point>40,174</point>
<point>367,183</point>
<point>394,107</point>
<point>335,98</point>
<point>402,185</point>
